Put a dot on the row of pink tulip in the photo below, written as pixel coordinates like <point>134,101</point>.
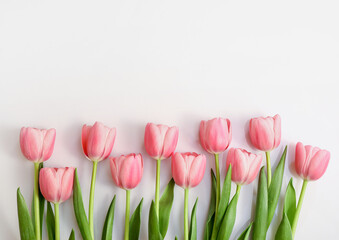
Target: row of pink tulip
<point>160,143</point>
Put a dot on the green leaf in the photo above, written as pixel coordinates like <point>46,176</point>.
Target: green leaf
<point>72,235</point>
<point>290,202</point>
<point>275,188</point>
<point>165,204</point>
<point>108,225</point>
<point>228,220</point>
<point>153,224</point>
<point>224,200</point>
<point>41,207</point>
<point>176,238</point>
<point>211,211</point>
<point>79,209</point>
<point>134,222</point>
<point>260,220</point>
<point>25,221</point>
<point>50,222</point>
<point>246,233</point>
<point>284,231</point>
<point>193,226</point>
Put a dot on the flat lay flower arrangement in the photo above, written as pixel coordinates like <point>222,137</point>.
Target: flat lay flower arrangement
<point>53,186</point>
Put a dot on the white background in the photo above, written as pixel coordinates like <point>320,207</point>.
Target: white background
<point>126,63</point>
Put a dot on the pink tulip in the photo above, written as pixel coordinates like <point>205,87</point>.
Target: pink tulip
<point>127,170</point>
<point>97,141</point>
<point>310,162</point>
<point>188,169</point>
<point>215,135</point>
<point>37,144</point>
<point>265,133</point>
<point>56,184</point>
<point>160,140</point>
<point>245,165</point>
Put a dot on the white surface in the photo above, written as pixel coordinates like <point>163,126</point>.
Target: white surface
<point>126,63</point>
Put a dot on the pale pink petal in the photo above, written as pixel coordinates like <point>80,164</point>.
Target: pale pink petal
<point>318,165</point>
<point>153,140</point>
<point>109,143</point>
<point>48,144</point>
<point>84,137</point>
<point>67,184</point>
<point>179,171</point>
<point>197,170</point>
<point>170,142</point>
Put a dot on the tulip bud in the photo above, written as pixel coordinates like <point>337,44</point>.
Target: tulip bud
<point>265,133</point>
<point>37,144</point>
<point>188,169</point>
<point>245,165</point>
<point>310,162</point>
<point>127,170</point>
<point>160,140</point>
<point>215,135</point>
<point>97,141</point>
<point>56,184</point>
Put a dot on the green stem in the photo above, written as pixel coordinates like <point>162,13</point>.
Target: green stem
<point>300,202</point>
<point>268,165</point>
<point>238,189</point>
<point>157,187</point>
<point>36,201</point>
<point>186,214</point>
<point>217,199</point>
<point>218,182</point>
<point>127,213</point>
<point>57,225</point>
<point>91,198</point>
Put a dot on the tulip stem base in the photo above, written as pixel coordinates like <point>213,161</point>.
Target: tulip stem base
<point>217,172</point>
<point>36,201</point>
<point>56,222</point>
<point>91,198</point>
<point>157,187</point>
<point>186,214</point>
<point>268,165</point>
<point>300,202</point>
<point>127,213</point>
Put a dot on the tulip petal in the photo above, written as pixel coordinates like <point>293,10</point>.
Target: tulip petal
<point>66,183</point>
<point>197,170</point>
<point>48,144</point>
<point>109,143</point>
<point>179,170</point>
<point>170,142</point>
<point>84,137</point>
<point>318,165</point>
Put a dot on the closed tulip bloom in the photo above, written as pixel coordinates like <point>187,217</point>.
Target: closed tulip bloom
<point>188,169</point>
<point>127,170</point>
<point>56,184</point>
<point>97,141</point>
<point>37,144</point>
<point>265,133</point>
<point>215,135</point>
<point>310,162</point>
<point>160,140</point>
<point>245,165</point>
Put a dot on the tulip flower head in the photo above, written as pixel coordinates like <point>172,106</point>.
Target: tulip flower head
<point>245,165</point>
<point>97,141</point>
<point>37,144</point>
<point>188,169</point>
<point>56,184</point>
<point>215,135</point>
<point>310,162</point>
<point>127,170</point>
<point>265,133</point>
<point>160,140</point>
